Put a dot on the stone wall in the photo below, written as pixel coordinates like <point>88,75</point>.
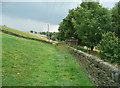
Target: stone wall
<point>100,72</point>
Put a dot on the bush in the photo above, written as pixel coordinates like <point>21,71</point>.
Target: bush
<point>109,47</point>
<point>35,32</point>
<point>31,31</point>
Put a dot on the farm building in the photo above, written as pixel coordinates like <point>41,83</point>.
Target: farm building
<point>71,41</point>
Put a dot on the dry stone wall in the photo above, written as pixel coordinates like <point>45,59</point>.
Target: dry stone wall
<point>100,72</point>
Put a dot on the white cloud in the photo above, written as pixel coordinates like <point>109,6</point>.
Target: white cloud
<point>54,27</point>
<point>0,19</point>
<point>56,0</point>
<point>109,0</point>
<point>28,24</point>
<point>41,0</point>
<point>0,13</point>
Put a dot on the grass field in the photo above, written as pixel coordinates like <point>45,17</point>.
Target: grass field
<point>0,60</point>
<point>19,32</point>
<point>32,63</point>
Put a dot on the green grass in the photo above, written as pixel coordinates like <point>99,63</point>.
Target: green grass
<point>0,61</point>
<point>19,32</point>
<point>32,63</point>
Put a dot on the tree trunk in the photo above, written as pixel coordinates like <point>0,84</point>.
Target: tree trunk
<point>92,48</point>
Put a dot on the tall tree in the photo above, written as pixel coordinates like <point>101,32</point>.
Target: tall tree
<point>66,26</point>
<point>116,19</point>
<point>87,22</point>
<point>91,20</point>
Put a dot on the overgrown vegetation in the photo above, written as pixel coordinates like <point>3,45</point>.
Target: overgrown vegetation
<point>32,63</point>
<point>88,22</point>
<point>115,19</point>
<point>86,50</point>
<point>50,35</point>
<point>109,47</point>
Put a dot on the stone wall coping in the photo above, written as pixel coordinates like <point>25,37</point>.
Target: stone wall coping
<point>97,59</point>
<point>100,72</point>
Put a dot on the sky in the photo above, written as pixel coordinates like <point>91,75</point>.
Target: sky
<point>29,15</point>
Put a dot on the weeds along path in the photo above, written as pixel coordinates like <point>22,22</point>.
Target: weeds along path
<point>31,63</point>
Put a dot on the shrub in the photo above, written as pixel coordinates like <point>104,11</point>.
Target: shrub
<point>109,47</point>
<point>35,32</point>
<point>31,31</point>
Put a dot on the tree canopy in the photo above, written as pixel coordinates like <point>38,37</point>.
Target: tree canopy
<point>116,19</point>
<point>87,22</point>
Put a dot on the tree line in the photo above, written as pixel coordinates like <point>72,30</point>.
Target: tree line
<point>50,35</point>
<point>93,25</point>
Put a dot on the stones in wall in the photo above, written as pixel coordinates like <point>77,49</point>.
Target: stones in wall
<point>100,72</point>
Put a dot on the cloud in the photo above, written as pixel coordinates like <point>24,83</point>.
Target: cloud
<point>56,0</point>
<point>28,24</point>
<point>52,12</point>
<point>36,16</point>
<point>0,13</point>
<point>41,0</point>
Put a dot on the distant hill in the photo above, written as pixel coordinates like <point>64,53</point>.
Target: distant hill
<point>26,35</point>
<point>19,32</point>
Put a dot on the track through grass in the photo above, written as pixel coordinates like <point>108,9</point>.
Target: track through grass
<point>32,63</point>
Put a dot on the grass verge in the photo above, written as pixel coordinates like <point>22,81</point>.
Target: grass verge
<point>32,63</point>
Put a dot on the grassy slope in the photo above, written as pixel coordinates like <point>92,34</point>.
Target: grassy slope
<point>19,32</point>
<point>31,63</point>
<point>0,61</point>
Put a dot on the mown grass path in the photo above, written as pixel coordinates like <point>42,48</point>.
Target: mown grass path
<point>32,63</point>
